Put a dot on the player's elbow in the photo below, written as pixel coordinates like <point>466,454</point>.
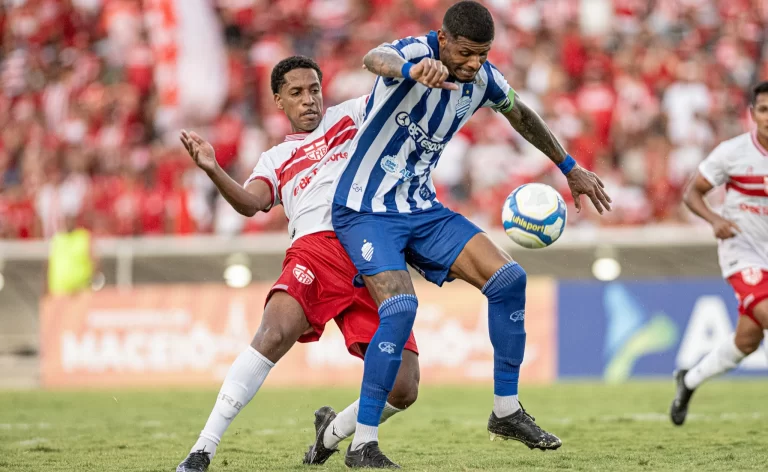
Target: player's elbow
<point>369,59</point>
<point>248,211</point>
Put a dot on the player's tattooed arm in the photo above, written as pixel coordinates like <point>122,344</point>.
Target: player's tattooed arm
<point>384,61</point>
<point>246,201</point>
<point>533,128</point>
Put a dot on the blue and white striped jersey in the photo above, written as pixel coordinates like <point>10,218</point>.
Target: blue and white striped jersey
<point>405,129</point>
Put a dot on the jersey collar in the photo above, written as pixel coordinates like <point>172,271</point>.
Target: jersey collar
<point>433,44</point>
<point>295,137</point>
<point>757,144</point>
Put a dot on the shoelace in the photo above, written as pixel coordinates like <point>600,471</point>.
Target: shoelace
<point>533,421</point>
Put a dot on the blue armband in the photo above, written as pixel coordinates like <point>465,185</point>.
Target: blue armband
<point>406,70</point>
<point>567,165</point>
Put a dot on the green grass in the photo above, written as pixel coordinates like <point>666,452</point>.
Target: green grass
<point>603,427</point>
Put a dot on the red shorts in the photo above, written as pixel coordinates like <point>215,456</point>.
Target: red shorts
<point>318,274</point>
<point>751,287</point>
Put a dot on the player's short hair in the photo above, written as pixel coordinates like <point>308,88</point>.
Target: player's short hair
<point>758,89</point>
<point>469,20</point>
<point>288,64</point>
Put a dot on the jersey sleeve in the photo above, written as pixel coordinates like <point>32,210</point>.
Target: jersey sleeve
<point>355,109</point>
<point>713,168</point>
<point>411,49</point>
<point>499,95</point>
<point>265,170</point>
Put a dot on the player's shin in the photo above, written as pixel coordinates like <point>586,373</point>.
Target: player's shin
<point>720,360</point>
<point>382,362</point>
<point>505,291</point>
<point>243,380</point>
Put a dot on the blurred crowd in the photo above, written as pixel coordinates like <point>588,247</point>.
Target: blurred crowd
<point>640,91</point>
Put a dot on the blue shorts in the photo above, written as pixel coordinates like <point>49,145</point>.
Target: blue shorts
<point>430,240</point>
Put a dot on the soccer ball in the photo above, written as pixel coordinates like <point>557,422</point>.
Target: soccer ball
<point>534,215</point>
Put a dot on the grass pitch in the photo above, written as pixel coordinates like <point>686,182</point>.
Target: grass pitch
<point>623,427</point>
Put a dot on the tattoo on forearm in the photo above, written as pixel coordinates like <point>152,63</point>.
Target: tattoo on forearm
<point>384,62</point>
<point>530,125</point>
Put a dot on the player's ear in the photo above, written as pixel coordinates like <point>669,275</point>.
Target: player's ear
<point>442,38</point>
<point>278,101</point>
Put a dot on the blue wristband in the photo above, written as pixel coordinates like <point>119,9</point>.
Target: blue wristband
<point>567,165</point>
<point>406,71</point>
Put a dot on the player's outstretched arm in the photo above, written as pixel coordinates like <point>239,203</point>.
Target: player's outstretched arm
<point>386,62</point>
<point>258,195</point>
<point>581,181</point>
<point>694,200</point>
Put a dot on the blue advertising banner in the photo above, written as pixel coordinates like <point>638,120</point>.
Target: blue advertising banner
<point>619,330</point>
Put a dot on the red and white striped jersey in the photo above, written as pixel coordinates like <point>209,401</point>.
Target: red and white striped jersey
<point>301,170</point>
<point>741,164</point>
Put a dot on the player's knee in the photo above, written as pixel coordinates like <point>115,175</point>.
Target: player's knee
<point>403,396</point>
<point>508,282</point>
<point>406,390</point>
<point>269,339</point>
<point>748,343</point>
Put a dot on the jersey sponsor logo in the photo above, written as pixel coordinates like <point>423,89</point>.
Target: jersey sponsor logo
<point>304,182</point>
<point>462,106</point>
<point>752,275</point>
<point>519,315</point>
<point>367,250</point>
<point>418,134</point>
<point>754,209</point>
<point>303,274</point>
<point>391,165</point>
<point>387,347</point>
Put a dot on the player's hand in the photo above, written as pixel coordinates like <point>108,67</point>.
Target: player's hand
<point>200,150</point>
<point>433,74</point>
<point>725,229</point>
<point>584,182</point>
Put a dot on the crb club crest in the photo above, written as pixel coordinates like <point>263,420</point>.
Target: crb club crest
<point>752,276</point>
<point>387,347</point>
<point>303,274</point>
<point>316,151</point>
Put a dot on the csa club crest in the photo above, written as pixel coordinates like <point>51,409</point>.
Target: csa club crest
<point>462,106</point>
<point>303,274</point>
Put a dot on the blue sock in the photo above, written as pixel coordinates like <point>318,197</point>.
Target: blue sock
<point>384,355</point>
<point>506,323</point>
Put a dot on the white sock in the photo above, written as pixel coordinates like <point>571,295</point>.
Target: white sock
<point>723,358</point>
<point>364,434</point>
<point>505,406</point>
<point>343,426</point>
<point>240,385</point>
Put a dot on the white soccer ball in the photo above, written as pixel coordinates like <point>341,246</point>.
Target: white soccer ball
<point>534,215</point>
